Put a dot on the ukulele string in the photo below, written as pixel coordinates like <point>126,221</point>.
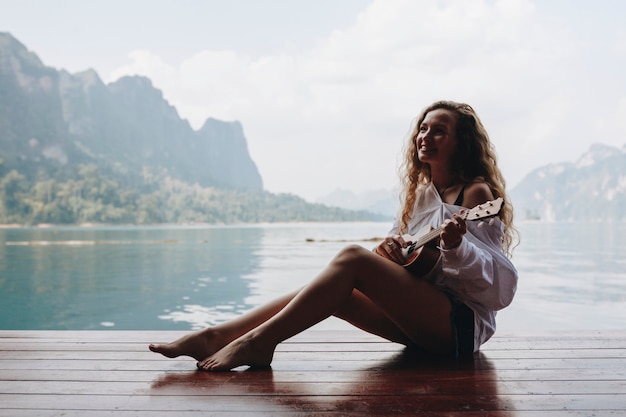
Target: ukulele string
<point>433,234</point>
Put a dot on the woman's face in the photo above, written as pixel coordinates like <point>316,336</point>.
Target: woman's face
<point>436,137</point>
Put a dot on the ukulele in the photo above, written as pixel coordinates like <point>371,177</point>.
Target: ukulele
<point>422,254</point>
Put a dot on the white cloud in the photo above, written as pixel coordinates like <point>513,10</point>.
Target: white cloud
<point>334,115</point>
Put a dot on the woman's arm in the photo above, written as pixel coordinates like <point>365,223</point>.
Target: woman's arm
<point>478,270</point>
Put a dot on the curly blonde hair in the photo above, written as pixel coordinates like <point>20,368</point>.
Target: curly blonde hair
<point>475,158</point>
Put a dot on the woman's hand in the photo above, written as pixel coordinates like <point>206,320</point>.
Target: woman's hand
<point>391,248</point>
<point>452,231</point>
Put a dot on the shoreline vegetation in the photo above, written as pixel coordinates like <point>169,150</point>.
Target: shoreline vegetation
<point>92,197</point>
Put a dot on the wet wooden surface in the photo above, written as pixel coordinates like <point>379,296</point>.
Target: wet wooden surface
<point>318,373</point>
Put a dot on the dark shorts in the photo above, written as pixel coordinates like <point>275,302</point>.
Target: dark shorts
<point>463,326</point>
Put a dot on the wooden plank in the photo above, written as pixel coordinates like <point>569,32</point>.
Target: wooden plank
<point>331,364</point>
<point>267,386</point>
<point>366,405</point>
<point>295,413</point>
<point>303,354</point>
<point>616,374</point>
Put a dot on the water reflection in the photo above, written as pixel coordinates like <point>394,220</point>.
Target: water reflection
<point>402,384</point>
<point>73,278</point>
<point>572,276</point>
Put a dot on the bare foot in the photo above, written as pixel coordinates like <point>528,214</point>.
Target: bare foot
<point>243,351</point>
<point>198,345</point>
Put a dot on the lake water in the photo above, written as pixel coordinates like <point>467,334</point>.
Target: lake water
<point>572,276</point>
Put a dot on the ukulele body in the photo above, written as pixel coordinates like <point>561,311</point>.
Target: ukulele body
<point>423,260</point>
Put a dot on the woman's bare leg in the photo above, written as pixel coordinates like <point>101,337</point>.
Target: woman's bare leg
<point>204,343</point>
<point>361,312</point>
<point>414,307</point>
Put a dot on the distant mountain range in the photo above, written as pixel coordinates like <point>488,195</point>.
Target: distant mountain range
<point>383,202</point>
<point>590,189</point>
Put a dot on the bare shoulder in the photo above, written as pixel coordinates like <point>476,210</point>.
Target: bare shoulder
<point>477,192</point>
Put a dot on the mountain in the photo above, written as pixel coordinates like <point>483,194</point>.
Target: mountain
<point>383,202</point>
<point>590,189</point>
<point>52,120</point>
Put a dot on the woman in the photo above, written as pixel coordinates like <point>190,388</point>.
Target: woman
<point>449,164</point>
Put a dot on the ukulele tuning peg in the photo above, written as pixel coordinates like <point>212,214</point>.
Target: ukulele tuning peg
<point>493,219</point>
<point>481,224</point>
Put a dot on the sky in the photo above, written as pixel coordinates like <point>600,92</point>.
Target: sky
<point>326,89</point>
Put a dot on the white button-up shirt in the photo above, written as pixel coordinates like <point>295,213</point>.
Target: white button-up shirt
<point>477,272</point>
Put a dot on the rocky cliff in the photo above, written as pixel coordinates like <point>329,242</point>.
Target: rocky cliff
<point>51,120</point>
<point>591,189</point>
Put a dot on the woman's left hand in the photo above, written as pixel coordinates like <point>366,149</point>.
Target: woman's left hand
<point>452,231</point>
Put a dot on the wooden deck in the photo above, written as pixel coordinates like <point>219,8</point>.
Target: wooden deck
<point>319,373</point>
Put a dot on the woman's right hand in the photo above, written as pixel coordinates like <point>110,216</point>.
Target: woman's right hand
<point>391,248</point>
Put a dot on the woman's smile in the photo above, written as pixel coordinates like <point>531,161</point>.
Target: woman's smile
<point>436,138</point>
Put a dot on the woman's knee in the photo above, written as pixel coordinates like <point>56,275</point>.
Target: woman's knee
<point>352,256</point>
